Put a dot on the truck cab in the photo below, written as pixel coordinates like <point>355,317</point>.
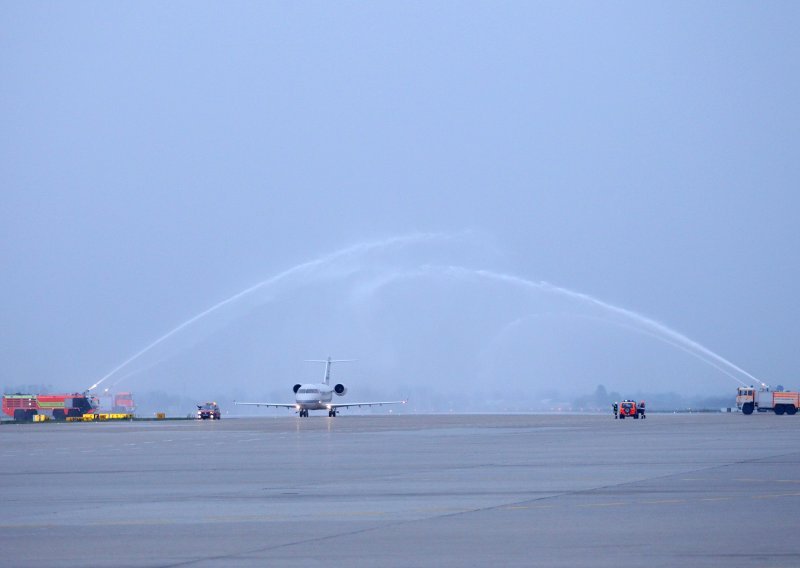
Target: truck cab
<point>746,399</point>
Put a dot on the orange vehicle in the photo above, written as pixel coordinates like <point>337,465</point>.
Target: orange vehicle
<point>628,408</point>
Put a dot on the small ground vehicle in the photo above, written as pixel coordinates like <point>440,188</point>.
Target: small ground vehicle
<point>208,411</point>
<point>628,408</point>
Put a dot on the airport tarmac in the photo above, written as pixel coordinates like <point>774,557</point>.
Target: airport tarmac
<point>404,490</point>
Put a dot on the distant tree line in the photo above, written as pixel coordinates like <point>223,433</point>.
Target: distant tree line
<point>600,399</point>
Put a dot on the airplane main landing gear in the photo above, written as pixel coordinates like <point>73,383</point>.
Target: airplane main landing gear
<point>331,413</point>
<point>304,414</point>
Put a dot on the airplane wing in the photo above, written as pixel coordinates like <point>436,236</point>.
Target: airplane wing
<point>274,404</point>
<point>349,404</point>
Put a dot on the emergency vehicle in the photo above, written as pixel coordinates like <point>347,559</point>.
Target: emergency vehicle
<point>123,403</point>
<point>628,408</point>
<point>208,411</point>
<point>23,407</point>
<point>117,403</point>
<point>749,399</point>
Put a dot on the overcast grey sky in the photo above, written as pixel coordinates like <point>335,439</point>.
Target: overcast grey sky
<point>160,157</point>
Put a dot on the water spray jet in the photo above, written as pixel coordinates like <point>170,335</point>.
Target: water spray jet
<point>305,268</point>
<point>644,324</point>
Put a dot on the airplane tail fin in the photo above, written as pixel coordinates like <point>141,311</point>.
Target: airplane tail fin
<point>328,362</point>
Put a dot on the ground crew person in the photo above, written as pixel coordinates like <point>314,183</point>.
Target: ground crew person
<point>615,406</point>
<point>640,410</point>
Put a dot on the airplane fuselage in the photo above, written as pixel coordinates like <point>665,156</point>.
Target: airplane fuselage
<point>314,396</point>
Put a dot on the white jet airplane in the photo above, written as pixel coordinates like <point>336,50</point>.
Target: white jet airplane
<point>319,396</point>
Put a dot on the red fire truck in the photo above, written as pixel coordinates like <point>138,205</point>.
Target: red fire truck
<point>23,407</point>
<point>117,403</point>
<point>123,403</point>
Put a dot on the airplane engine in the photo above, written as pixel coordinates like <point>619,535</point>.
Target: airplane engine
<point>340,389</point>
<point>296,388</point>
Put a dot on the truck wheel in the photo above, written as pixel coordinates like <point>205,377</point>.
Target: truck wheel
<point>636,417</point>
<point>791,410</point>
<point>779,409</point>
<point>59,415</point>
<point>747,408</point>
<point>19,415</point>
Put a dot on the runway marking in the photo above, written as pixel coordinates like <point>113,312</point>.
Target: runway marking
<point>615,504</point>
<point>775,495</point>
<point>355,514</point>
<point>440,510</point>
<point>716,498</point>
<point>28,526</point>
<point>660,501</point>
<point>235,518</point>
<point>135,522</point>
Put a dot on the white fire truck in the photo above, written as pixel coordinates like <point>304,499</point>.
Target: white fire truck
<point>749,399</point>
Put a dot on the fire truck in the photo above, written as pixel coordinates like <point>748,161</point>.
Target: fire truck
<point>117,403</point>
<point>23,407</point>
<point>123,403</point>
<point>749,399</point>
